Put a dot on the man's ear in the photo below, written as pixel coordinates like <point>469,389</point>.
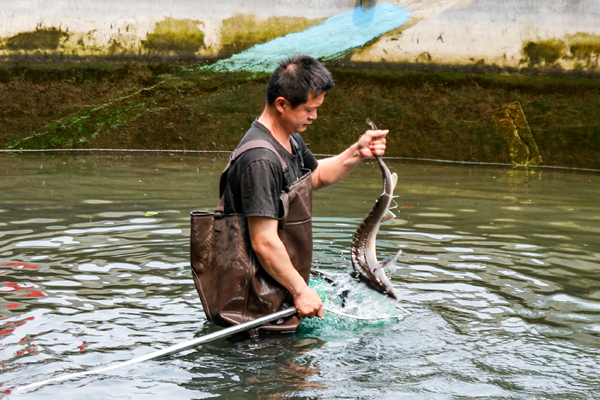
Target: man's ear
<point>281,103</point>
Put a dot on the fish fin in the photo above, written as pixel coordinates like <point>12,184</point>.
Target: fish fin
<point>394,180</point>
<point>388,216</point>
<point>390,260</point>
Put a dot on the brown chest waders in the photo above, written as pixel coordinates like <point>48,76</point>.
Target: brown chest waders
<point>232,285</point>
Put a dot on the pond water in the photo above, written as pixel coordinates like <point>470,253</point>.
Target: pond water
<point>500,271</point>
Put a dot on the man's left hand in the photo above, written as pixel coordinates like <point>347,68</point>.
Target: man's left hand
<point>372,143</point>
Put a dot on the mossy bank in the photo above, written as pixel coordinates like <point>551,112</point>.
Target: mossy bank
<point>430,113</point>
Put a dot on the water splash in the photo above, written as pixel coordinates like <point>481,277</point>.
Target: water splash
<point>328,40</point>
<point>348,297</point>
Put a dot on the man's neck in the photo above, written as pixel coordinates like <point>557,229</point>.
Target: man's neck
<point>277,130</point>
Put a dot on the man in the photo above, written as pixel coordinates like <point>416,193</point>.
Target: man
<point>257,180</point>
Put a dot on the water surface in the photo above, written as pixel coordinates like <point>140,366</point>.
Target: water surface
<point>500,270</point>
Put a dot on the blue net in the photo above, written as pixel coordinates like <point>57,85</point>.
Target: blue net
<point>331,39</point>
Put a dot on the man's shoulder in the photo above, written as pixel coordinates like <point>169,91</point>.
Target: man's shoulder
<point>256,156</point>
<point>256,132</point>
<point>259,153</point>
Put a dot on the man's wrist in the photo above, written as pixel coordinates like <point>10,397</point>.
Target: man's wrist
<point>357,153</point>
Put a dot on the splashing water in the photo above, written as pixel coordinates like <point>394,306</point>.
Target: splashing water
<point>328,40</point>
<point>349,306</point>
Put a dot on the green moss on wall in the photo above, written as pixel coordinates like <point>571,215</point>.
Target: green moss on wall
<point>241,32</point>
<point>585,47</point>
<point>579,50</point>
<point>430,114</point>
<point>175,36</point>
<point>546,51</point>
<point>40,39</point>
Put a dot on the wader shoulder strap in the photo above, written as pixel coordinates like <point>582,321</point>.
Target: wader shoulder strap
<point>252,144</point>
<point>297,147</point>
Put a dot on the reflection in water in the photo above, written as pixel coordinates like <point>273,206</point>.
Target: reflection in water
<point>270,367</point>
<point>500,269</point>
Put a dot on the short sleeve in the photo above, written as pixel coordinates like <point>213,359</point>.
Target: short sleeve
<point>260,188</point>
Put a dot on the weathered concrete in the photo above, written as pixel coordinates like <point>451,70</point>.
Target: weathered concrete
<point>98,27</point>
<point>492,32</point>
<point>508,33</point>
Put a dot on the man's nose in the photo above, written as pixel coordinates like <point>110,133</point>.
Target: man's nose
<point>312,115</point>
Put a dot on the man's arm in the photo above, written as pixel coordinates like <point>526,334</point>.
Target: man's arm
<point>333,169</point>
<point>274,258</point>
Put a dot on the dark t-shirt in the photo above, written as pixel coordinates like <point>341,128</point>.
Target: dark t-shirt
<point>257,179</point>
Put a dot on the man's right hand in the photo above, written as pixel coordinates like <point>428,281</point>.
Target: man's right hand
<point>308,303</point>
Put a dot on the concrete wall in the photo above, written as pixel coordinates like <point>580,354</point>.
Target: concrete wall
<point>508,33</point>
<point>496,32</point>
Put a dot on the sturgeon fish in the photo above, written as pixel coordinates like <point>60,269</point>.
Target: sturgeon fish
<point>364,257</point>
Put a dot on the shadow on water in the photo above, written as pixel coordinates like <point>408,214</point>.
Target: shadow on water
<point>499,269</point>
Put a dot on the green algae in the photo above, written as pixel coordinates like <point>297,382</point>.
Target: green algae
<point>175,36</point>
<point>85,126</point>
<point>544,51</point>
<point>513,126</point>
<point>430,114</point>
<point>585,47</point>
<point>185,38</point>
<point>582,48</point>
<point>39,39</point>
<point>423,57</point>
<point>119,113</point>
<point>170,37</point>
<point>243,31</point>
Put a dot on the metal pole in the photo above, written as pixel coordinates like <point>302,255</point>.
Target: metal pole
<point>223,333</point>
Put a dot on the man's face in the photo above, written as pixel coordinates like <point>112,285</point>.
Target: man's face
<point>299,118</point>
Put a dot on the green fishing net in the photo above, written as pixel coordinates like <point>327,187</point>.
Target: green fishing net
<point>349,306</point>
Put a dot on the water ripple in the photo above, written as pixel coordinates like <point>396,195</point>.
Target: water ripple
<point>500,273</point>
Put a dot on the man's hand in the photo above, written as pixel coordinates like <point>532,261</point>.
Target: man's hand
<point>333,169</point>
<point>308,303</point>
<point>372,143</point>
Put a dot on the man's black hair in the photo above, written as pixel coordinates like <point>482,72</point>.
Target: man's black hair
<point>296,78</point>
